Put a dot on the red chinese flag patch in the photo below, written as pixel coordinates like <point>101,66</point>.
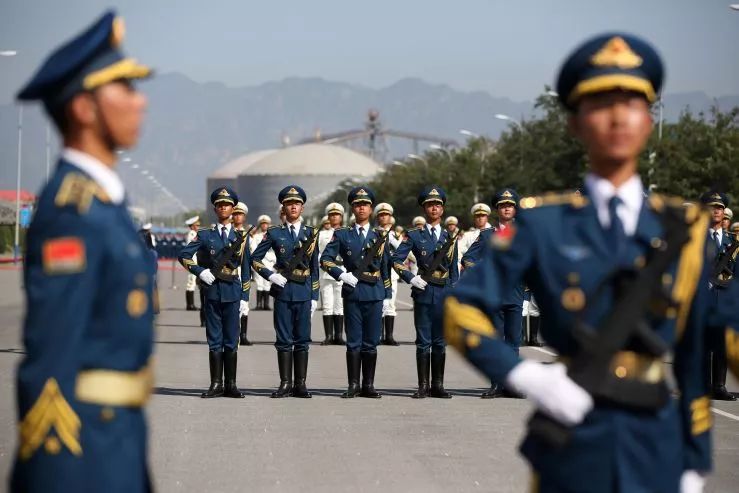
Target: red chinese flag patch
<point>64,255</point>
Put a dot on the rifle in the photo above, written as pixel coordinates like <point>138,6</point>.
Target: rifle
<point>223,265</point>
<point>590,366</point>
<point>298,269</point>
<point>723,268</point>
<point>436,269</point>
<point>367,265</point>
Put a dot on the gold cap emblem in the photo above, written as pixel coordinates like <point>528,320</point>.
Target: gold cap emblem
<point>507,194</point>
<point>716,196</point>
<point>117,32</point>
<point>433,192</point>
<point>616,53</point>
<point>292,190</point>
<point>362,192</point>
<point>223,193</point>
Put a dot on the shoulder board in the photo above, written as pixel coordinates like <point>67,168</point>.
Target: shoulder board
<point>488,229</point>
<point>569,198</point>
<point>417,228</point>
<point>79,191</point>
<point>203,229</point>
<point>273,227</point>
<point>343,228</point>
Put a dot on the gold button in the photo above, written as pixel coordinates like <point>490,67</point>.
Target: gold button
<point>52,445</point>
<point>671,312</point>
<point>107,414</point>
<point>573,277</point>
<point>621,372</point>
<point>666,279</point>
<point>656,242</point>
<point>639,262</point>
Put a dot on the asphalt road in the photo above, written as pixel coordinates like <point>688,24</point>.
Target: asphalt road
<point>325,443</point>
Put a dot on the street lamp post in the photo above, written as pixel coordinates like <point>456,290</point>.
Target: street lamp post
<point>16,243</point>
<point>507,118</point>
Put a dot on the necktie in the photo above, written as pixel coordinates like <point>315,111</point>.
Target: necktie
<point>717,240</point>
<point>616,235</point>
<point>224,236</point>
<point>292,232</point>
<point>434,238</point>
<point>362,235</point>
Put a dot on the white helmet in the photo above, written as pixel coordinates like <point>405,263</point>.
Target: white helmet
<point>334,208</point>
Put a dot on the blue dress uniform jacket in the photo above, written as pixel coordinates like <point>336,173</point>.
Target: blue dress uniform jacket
<point>419,242</point>
<point>560,251</point>
<point>278,239</point>
<point>88,339</point>
<point>208,244</point>
<point>347,244</point>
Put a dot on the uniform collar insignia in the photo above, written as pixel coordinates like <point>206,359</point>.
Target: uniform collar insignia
<point>616,53</point>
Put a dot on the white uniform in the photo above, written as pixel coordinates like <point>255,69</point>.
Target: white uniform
<point>268,261</point>
<point>331,301</point>
<point>191,279</point>
<point>390,310</point>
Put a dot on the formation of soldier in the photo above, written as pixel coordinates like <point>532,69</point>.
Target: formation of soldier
<point>621,278</point>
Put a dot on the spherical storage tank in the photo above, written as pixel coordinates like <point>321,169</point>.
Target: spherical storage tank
<point>317,168</point>
<point>228,174</point>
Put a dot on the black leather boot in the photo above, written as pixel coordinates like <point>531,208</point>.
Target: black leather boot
<point>190,301</point>
<point>438,362</point>
<point>229,373</point>
<point>353,365</point>
<point>328,330</point>
<point>338,327</point>
<point>718,378</point>
<point>215,360</point>
<point>285,367</point>
<point>383,336</point>
<point>202,307</point>
<point>369,363</point>
<point>534,323</point>
<point>265,301</point>
<point>389,329</point>
<point>496,390</point>
<point>301,370</point>
<point>243,341</point>
<point>423,360</point>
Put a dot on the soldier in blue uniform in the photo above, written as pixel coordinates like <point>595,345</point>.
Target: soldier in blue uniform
<point>88,330</point>
<point>584,257</point>
<point>721,240</point>
<point>509,318</point>
<point>219,252</point>
<point>295,288</point>
<point>436,253</point>
<point>366,289</point>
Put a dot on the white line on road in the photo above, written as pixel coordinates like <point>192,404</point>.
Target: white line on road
<point>725,414</point>
<point>542,350</point>
<point>409,305</point>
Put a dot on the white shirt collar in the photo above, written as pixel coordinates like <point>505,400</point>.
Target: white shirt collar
<point>103,175</point>
<point>296,224</point>
<point>366,228</point>
<point>437,228</point>
<point>219,228</point>
<point>720,232</point>
<point>631,193</point>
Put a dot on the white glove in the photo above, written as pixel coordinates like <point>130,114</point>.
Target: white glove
<point>385,306</point>
<point>692,482</point>
<point>551,390</point>
<point>313,306</point>
<point>418,282</point>
<point>349,278</point>
<point>278,279</point>
<point>207,277</point>
<point>243,308</point>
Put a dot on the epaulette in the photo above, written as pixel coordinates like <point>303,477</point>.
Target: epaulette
<point>272,227</point>
<point>78,191</point>
<point>343,228</point>
<point>574,199</point>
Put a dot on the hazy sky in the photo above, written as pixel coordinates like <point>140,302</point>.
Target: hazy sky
<point>508,48</point>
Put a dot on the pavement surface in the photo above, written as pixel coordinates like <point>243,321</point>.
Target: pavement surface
<point>393,444</point>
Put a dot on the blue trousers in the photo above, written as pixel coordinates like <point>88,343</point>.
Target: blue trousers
<point>508,322</point>
<point>222,325</point>
<point>429,335</point>
<point>363,322</point>
<point>292,325</point>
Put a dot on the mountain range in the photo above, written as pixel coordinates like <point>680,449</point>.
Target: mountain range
<point>194,128</point>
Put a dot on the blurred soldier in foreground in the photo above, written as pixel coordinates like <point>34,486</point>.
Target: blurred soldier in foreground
<point>88,331</point>
<point>263,285</point>
<point>384,216</point>
<point>724,269</point>
<point>436,252</point>
<point>238,218</point>
<point>295,288</point>
<point>620,281</point>
<point>193,225</point>
<point>366,289</point>
<point>331,301</point>
<point>223,266</point>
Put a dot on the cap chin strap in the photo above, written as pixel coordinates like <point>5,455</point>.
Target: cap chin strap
<point>106,134</point>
